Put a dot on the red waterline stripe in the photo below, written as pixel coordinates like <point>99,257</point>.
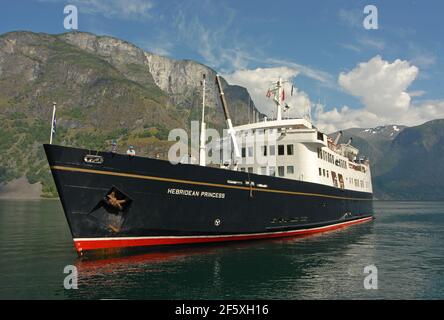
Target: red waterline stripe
<point>83,244</point>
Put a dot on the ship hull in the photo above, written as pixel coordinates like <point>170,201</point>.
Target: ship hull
<point>161,204</point>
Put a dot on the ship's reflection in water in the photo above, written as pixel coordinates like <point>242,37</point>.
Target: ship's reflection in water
<point>327,265</point>
<point>404,242</point>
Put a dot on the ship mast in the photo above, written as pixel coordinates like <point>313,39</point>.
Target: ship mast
<point>231,130</point>
<point>53,121</point>
<point>278,92</point>
<point>202,150</point>
<point>278,99</point>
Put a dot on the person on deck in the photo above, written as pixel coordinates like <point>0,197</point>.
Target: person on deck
<point>114,146</point>
<point>131,151</point>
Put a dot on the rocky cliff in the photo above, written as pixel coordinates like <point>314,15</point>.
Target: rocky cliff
<point>105,89</point>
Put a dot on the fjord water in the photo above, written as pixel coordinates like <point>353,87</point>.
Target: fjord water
<point>405,243</point>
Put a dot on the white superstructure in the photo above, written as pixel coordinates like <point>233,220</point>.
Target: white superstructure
<point>295,149</point>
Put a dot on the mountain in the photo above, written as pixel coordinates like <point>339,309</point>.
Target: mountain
<point>406,161</point>
<point>105,89</point>
<point>415,158</point>
<point>373,142</point>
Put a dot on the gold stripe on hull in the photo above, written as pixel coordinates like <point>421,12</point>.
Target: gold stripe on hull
<point>199,183</point>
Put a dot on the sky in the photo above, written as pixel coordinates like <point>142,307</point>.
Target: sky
<point>344,74</point>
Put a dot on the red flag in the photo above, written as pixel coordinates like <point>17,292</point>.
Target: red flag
<point>283,95</point>
<point>268,94</point>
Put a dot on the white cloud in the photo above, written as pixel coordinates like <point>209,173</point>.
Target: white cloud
<point>119,9</point>
<point>351,47</point>
<point>382,88</point>
<point>211,30</point>
<point>371,42</point>
<point>324,77</point>
<point>424,59</point>
<point>259,80</point>
<point>160,45</point>
<point>208,29</point>
<point>351,18</point>
<point>381,85</point>
<point>418,93</point>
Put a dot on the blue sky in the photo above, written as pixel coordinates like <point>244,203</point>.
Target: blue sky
<point>310,42</point>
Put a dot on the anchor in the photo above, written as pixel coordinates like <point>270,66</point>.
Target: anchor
<point>114,202</point>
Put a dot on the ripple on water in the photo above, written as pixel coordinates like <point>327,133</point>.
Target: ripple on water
<point>404,242</point>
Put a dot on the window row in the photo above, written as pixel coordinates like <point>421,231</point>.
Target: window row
<point>327,156</point>
<point>271,170</point>
<point>324,155</point>
<point>338,179</point>
<point>358,183</point>
<point>270,150</point>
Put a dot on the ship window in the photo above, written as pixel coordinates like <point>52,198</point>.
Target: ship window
<point>341,181</point>
<point>323,172</point>
<point>244,152</point>
<point>327,173</point>
<point>320,171</point>
<point>250,151</point>
<point>290,169</point>
<point>320,136</point>
<point>272,171</point>
<point>289,149</point>
<point>334,178</point>
<point>264,170</point>
<point>272,150</point>
<point>242,169</point>
<point>264,150</point>
<point>281,171</point>
<point>250,170</point>
<point>319,153</point>
<point>281,150</point>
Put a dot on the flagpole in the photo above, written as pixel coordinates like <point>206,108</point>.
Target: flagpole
<point>203,134</point>
<point>52,122</point>
<point>279,99</point>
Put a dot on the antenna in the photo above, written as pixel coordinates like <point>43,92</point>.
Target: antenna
<point>279,99</point>
<point>202,150</point>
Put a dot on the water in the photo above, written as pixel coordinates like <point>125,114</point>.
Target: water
<point>405,243</point>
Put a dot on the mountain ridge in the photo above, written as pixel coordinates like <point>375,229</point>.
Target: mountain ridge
<point>106,89</point>
<point>403,159</point>
<point>109,89</point>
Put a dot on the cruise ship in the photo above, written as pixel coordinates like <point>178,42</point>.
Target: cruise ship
<point>283,178</point>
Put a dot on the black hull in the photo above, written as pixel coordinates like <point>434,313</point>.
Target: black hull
<point>171,204</point>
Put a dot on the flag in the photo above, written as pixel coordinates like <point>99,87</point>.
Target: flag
<point>268,95</point>
<point>283,95</point>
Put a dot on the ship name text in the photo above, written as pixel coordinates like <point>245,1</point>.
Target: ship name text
<point>196,193</point>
